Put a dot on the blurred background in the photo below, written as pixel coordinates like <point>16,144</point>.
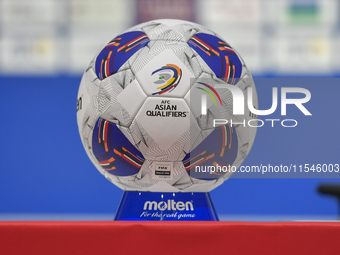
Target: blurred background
<point>46,45</point>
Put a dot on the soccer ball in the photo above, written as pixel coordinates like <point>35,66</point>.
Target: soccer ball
<point>147,106</point>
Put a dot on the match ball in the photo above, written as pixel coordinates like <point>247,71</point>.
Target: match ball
<point>155,108</point>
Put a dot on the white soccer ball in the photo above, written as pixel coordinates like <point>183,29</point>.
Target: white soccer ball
<point>147,105</point>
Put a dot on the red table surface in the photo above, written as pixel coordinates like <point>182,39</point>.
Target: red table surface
<point>102,237</point>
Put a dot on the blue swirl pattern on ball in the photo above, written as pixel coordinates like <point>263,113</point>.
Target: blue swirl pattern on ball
<point>218,55</point>
<point>118,51</point>
<point>113,150</point>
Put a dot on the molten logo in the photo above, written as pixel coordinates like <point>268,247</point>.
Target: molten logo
<point>168,79</point>
<point>170,205</point>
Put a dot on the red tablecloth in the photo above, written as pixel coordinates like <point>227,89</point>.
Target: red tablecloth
<point>159,238</point>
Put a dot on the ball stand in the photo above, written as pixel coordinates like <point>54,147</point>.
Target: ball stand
<point>162,206</point>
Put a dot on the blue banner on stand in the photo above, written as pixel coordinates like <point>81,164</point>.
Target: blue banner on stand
<point>161,206</point>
